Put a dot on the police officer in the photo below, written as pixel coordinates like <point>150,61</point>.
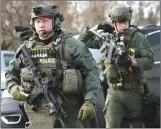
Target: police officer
<point>125,92</point>
<point>65,59</point>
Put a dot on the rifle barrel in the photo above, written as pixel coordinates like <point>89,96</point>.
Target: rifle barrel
<point>21,28</point>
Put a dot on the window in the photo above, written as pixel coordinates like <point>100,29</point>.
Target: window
<point>7,58</point>
<point>154,38</point>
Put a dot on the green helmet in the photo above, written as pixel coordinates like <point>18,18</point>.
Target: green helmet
<point>120,13</point>
<point>46,10</point>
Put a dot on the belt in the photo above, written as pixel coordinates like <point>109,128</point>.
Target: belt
<point>131,86</point>
<point>123,89</point>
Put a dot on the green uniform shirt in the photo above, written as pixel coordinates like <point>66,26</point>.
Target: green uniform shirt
<point>82,60</point>
<point>144,53</point>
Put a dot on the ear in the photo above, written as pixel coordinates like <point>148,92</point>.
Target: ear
<point>114,24</point>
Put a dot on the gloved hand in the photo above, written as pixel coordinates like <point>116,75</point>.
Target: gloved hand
<point>87,111</point>
<point>124,60</point>
<point>105,27</point>
<point>17,94</point>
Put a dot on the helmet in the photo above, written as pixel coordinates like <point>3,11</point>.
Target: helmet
<point>46,10</point>
<point>120,13</point>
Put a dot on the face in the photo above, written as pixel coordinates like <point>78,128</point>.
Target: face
<point>44,27</point>
<point>121,26</point>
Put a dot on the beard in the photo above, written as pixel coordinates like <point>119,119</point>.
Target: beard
<point>46,34</point>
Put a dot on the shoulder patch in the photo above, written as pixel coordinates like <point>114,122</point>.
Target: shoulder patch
<point>146,43</point>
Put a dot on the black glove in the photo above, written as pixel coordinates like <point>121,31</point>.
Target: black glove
<point>105,27</point>
<point>123,60</point>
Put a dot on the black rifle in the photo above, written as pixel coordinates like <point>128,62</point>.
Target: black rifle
<point>113,47</point>
<point>109,47</point>
<point>21,28</point>
<point>43,85</point>
<point>25,32</point>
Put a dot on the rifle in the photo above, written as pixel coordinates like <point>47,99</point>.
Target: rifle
<point>109,45</point>
<point>113,47</point>
<point>43,85</point>
<point>26,32</point>
<point>21,28</point>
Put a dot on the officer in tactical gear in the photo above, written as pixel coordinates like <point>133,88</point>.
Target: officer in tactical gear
<point>125,93</point>
<point>67,60</point>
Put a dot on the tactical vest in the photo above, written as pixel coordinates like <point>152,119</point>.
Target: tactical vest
<point>121,76</point>
<point>50,59</point>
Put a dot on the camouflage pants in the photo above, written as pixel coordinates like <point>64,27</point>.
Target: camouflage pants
<point>121,103</point>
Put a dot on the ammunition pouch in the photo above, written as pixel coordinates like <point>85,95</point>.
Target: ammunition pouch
<point>26,74</point>
<point>26,79</point>
<point>130,82</point>
<point>73,82</point>
<point>122,70</point>
<point>112,73</point>
<point>131,85</point>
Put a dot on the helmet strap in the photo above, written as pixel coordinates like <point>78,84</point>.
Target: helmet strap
<point>56,24</point>
<point>114,22</point>
<point>129,23</point>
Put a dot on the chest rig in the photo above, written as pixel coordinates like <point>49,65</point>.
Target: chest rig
<point>112,69</point>
<point>121,76</point>
<point>54,60</point>
<point>48,60</point>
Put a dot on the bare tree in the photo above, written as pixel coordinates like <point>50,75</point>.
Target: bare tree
<point>13,13</point>
<point>154,17</point>
<point>18,13</point>
<point>148,12</point>
<point>63,7</point>
<point>94,14</point>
